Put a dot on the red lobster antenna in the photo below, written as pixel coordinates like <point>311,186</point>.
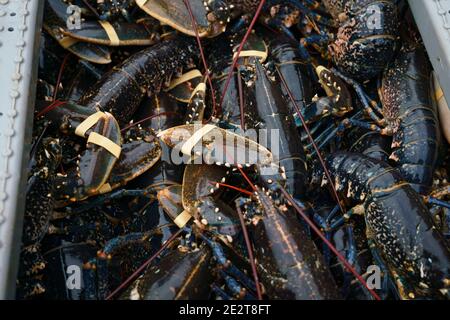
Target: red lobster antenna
<point>60,73</point>
<point>143,266</point>
<point>327,173</point>
<point>310,137</point>
<point>56,103</point>
<point>250,254</point>
<point>202,54</point>
<point>194,23</point>
<point>329,244</point>
<point>320,234</point>
<point>168,113</point>
<point>288,196</point>
<point>241,46</point>
<point>241,101</point>
<point>246,192</point>
<point>248,243</point>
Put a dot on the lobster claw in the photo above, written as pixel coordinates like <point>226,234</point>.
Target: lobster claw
<point>178,275</point>
<point>176,14</point>
<point>141,150</point>
<point>336,90</point>
<point>200,181</point>
<point>96,162</point>
<point>212,144</point>
<point>115,33</point>
<point>56,13</point>
<point>170,199</point>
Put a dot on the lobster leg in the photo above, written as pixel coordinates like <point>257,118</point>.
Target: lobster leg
<point>323,140</point>
<point>90,280</point>
<point>384,270</point>
<point>441,192</point>
<point>355,121</point>
<point>318,39</point>
<point>435,197</point>
<point>181,202</point>
<point>226,264</point>
<point>338,100</point>
<point>345,124</point>
<point>343,219</point>
<point>220,292</point>
<point>310,12</point>
<point>330,131</point>
<point>329,225</point>
<point>102,264</point>
<point>234,286</point>
<point>351,254</point>
<point>323,224</point>
<point>437,202</point>
<point>315,111</point>
<point>365,100</point>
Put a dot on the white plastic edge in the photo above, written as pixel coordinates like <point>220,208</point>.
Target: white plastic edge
<point>433,20</point>
<point>20,25</point>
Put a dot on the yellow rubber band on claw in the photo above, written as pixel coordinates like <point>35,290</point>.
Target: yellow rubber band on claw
<point>67,42</point>
<point>196,137</point>
<point>88,123</point>
<point>111,32</point>
<point>252,53</point>
<point>200,88</point>
<point>185,78</point>
<point>319,70</point>
<point>105,188</point>
<point>182,219</point>
<point>104,142</point>
<point>439,94</point>
<point>141,3</point>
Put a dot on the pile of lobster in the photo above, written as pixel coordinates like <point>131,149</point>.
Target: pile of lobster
<point>235,149</point>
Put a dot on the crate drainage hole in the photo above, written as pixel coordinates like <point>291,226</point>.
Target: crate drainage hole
<point>10,29</point>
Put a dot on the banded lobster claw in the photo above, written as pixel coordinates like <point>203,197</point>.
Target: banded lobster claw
<point>117,33</point>
<point>101,32</point>
<point>106,163</point>
<point>195,201</point>
<point>96,162</point>
<point>211,16</point>
<point>216,145</point>
<point>55,23</point>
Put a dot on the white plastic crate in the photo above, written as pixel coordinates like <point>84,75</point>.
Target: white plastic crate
<point>20,24</point>
<point>433,20</point>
